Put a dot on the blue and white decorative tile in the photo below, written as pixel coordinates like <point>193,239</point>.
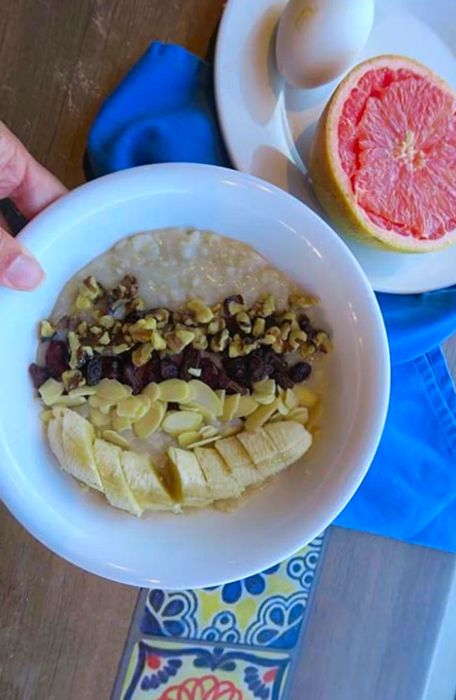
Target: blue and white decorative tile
<point>264,610</point>
<point>174,671</point>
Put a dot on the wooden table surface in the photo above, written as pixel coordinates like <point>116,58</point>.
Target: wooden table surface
<point>62,631</point>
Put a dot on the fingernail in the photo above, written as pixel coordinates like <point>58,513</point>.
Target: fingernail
<point>23,272</point>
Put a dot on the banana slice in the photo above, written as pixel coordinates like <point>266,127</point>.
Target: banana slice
<point>290,438</point>
<point>189,485</point>
<point>262,451</point>
<point>219,479</point>
<point>117,491</point>
<point>144,482</point>
<point>238,460</point>
<point>78,436</point>
<point>55,437</point>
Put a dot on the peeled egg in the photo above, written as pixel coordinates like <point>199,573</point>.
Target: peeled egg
<point>318,39</point>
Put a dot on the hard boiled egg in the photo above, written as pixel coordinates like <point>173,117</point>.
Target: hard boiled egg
<point>318,39</point>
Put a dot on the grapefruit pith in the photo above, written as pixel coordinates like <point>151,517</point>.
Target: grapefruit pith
<point>383,161</point>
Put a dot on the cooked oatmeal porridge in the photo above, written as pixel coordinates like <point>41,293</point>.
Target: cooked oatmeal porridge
<point>178,370</point>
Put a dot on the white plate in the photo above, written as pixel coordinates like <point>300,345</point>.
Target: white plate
<point>206,547</point>
<point>268,126</point>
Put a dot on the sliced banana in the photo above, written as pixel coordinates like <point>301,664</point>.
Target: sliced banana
<point>262,451</point>
<point>108,460</point>
<point>78,436</point>
<point>146,486</point>
<point>189,486</point>
<point>219,479</point>
<point>291,439</point>
<point>55,437</point>
<point>238,460</point>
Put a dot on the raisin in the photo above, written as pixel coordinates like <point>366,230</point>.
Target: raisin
<point>190,358</point>
<point>210,373</point>
<point>132,377</point>
<point>168,368</point>
<point>306,326</point>
<point>93,370</point>
<point>38,374</point>
<point>299,372</point>
<point>236,368</point>
<point>274,363</point>
<point>111,367</point>
<point>256,366</point>
<point>283,380</point>
<point>57,358</point>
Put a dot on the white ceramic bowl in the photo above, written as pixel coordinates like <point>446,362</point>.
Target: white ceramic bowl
<point>207,547</point>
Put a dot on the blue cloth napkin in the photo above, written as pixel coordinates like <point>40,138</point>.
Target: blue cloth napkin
<point>164,111</point>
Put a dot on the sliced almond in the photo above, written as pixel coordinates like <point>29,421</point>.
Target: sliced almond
<point>185,439</point>
<point>208,431</point>
<point>204,441</point>
<point>291,400</point>
<point>221,393</point>
<point>246,406</point>
<point>232,430</point>
<point>116,439</point>
<point>120,423</point>
<point>151,421</point>
<point>112,390</point>
<point>98,419</point>
<point>50,391</point>
<point>175,391</point>
<point>151,391</point>
<point>282,407</point>
<point>134,407</point>
<point>230,406</point>
<point>176,422</point>
<point>306,396</point>
<point>71,401</point>
<point>265,391</point>
<point>300,415</point>
<point>205,398</point>
<point>82,391</point>
<point>261,416</point>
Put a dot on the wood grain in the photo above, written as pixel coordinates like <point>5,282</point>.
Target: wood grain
<point>374,621</point>
<point>62,631</point>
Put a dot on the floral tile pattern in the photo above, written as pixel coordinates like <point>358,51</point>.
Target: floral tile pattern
<point>170,671</point>
<point>264,610</point>
<point>232,642</point>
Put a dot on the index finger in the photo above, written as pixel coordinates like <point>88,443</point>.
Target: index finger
<point>23,179</point>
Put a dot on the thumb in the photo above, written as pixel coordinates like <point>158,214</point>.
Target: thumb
<point>18,269</point>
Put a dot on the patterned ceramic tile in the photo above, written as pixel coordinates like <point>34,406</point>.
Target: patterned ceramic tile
<point>264,610</point>
<point>170,671</point>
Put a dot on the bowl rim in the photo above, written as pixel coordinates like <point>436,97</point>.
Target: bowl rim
<point>35,237</point>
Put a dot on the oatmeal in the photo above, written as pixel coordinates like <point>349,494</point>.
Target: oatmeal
<point>174,370</point>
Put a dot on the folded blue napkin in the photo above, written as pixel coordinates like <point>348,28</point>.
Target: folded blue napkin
<point>164,111</point>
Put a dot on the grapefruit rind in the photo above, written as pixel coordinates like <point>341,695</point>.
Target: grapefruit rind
<point>332,185</point>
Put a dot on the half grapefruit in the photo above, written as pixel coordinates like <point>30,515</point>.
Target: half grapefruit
<point>383,161</point>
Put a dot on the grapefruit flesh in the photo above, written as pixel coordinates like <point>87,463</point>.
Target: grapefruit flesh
<point>383,161</point>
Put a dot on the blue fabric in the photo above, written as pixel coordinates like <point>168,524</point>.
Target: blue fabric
<point>164,111</point>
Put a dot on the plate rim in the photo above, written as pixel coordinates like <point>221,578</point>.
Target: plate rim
<point>30,518</point>
<point>235,157</point>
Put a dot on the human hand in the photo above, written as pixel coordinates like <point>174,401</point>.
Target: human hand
<point>31,187</point>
